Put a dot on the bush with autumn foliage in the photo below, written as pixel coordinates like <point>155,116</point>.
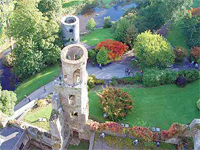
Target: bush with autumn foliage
<point>180,54</point>
<point>115,49</point>
<point>116,103</point>
<point>142,133</point>
<point>195,53</point>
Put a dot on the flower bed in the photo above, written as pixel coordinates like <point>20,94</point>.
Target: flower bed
<point>142,133</point>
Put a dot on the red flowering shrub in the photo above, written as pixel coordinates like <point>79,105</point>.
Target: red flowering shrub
<point>142,133</point>
<point>111,126</point>
<point>94,126</point>
<point>164,135</point>
<point>174,130</point>
<point>195,53</point>
<point>115,48</point>
<point>195,11</point>
<point>116,103</point>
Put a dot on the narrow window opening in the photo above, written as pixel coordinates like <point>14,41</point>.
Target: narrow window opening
<point>72,100</point>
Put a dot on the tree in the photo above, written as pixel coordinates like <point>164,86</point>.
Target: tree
<point>91,24</point>
<point>192,28</point>
<point>6,10</point>
<point>51,8</point>
<point>102,56</point>
<point>131,34</point>
<point>172,9</point>
<point>153,50</point>
<point>121,28</point>
<point>107,22</point>
<point>27,60</point>
<point>37,39</point>
<point>50,51</point>
<point>149,18</point>
<point>7,101</point>
<point>27,21</point>
<point>115,49</point>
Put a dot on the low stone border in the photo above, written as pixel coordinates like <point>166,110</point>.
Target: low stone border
<point>92,141</point>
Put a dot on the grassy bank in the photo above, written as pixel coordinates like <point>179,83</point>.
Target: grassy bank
<point>97,36</point>
<point>37,81</point>
<point>40,112</point>
<point>159,106</point>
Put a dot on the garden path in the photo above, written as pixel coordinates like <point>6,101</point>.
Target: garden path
<point>107,72</point>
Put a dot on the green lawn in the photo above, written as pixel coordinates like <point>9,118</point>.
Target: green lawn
<point>158,106</point>
<point>41,112</point>
<point>84,145</point>
<point>72,3</point>
<point>97,36</point>
<point>37,81</point>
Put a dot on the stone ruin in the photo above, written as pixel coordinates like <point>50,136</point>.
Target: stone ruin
<point>70,99</point>
<point>70,28</point>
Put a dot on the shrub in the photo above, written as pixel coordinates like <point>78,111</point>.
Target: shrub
<point>134,63</point>
<point>91,24</point>
<point>42,103</point>
<point>155,77</point>
<point>192,30</point>
<point>115,48</point>
<point>198,104</point>
<point>102,56</point>
<point>180,54</point>
<point>190,75</point>
<point>7,102</point>
<point>92,81</point>
<point>7,60</point>
<point>195,53</point>
<point>121,28</point>
<point>115,102</point>
<point>126,80</point>
<point>181,81</point>
<point>99,82</point>
<point>111,126</point>
<point>107,22</point>
<point>92,56</point>
<point>114,81</point>
<point>137,77</point>
<point>153,50</point>
<point>142,133</point>
<point>130,36</point>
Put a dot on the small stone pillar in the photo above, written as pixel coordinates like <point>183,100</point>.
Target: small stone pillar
<point>70,28</point>
<point>195,130</point>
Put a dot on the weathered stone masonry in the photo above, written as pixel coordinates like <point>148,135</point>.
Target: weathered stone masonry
<point>70,99</point>
<point>70,28</point>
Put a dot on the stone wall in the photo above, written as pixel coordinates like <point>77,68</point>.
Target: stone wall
<point>70,28</point>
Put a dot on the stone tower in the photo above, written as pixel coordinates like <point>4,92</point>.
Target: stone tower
<point>70,28</point>
<point>70,98</point>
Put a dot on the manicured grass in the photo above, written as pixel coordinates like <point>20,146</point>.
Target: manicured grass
<point>158,106</point>
<point>72,3</point>
<point>97,36</point>
<point>41,112</point>
<point>84,145</point>
<point>196,3</point>
<point>176,36</point>
<point>35,82</point>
